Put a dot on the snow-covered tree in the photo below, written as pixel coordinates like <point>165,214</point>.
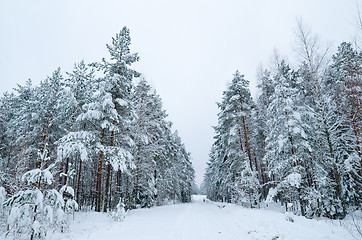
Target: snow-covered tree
<point>112,145</point>
<point>232,160</point>
<point>148,130</point>
<point>38,209</point>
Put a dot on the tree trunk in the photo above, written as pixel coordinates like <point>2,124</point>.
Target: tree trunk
<point>99,182</point>
<point>111,179</point>
<point>138,170</point>
<point>106,190</point>
<point>336,175</point>
<point>66,171</point>
<point>93,196</point>
<point>61,169</point>
<point>256,165</point>
<point>241,140</point>
<point>247,145</point>
<point>99,177</point>
<point>78,180</point>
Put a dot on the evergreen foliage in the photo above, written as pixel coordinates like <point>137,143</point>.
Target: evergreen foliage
<point>304,134</point>
<point>105,145</point>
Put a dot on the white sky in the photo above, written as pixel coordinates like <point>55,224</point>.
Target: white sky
<point>188,49</point>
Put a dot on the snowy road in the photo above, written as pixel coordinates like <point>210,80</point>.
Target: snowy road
<point>203,220</point>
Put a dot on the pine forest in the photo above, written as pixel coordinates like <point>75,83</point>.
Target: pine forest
<point>88,139</point>
<point>97,140</point>
<point>299,142</point>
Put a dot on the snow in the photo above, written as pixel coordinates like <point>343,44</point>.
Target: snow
<point>90,114</point>
<point>2,195</point>
<point>48,213</point>
<point>36,227</point>
<point>294,179</point>
<point>32,176</point>
<point>71,205</point>
<point>203,219</point>
<point>83,153</point>
<point>67,189</point>
<point>234,98</point>
<point>38,197</point>
<point>14,215</point>
<point>297,115</point>
<point>297,130</point>
<point>48,176</point>
<point>122,160</point>
<point>121,102</point>
<point>281,142</point>
<point>271,194</point>
<point>107,102</point>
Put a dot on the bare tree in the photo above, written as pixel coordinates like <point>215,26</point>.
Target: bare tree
<point>310,51</point>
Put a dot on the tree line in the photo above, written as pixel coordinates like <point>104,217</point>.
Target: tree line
<point>96,131</point>
<point>299,141</point>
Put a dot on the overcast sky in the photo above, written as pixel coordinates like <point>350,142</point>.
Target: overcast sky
<point>188,49</point>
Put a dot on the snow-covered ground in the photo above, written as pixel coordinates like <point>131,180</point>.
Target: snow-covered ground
<point>203,220</point>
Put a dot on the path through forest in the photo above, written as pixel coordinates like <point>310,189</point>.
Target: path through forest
<point>204,220</point>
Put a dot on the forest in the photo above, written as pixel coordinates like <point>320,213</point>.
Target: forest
<point>96,138</point>
<point>297,143</point>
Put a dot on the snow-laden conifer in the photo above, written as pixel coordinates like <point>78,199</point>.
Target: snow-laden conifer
<point>36,211</point>
<point>232,161</point>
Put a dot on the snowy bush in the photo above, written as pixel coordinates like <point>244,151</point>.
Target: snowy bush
<point>67,193</point>
<point>271,195</point>
<point>36,212</point>
<point>119,214</point>
<point>25,207</point>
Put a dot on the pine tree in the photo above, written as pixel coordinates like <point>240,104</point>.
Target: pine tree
<point>108,143</point>
<point>231,160</point>
<point>111,113</point>
<point>327,125</point>
<point>77,144</point>
<point>36,211</point>
<point>342,103</point>
<point>288,150</point>
<point>147,132</point>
